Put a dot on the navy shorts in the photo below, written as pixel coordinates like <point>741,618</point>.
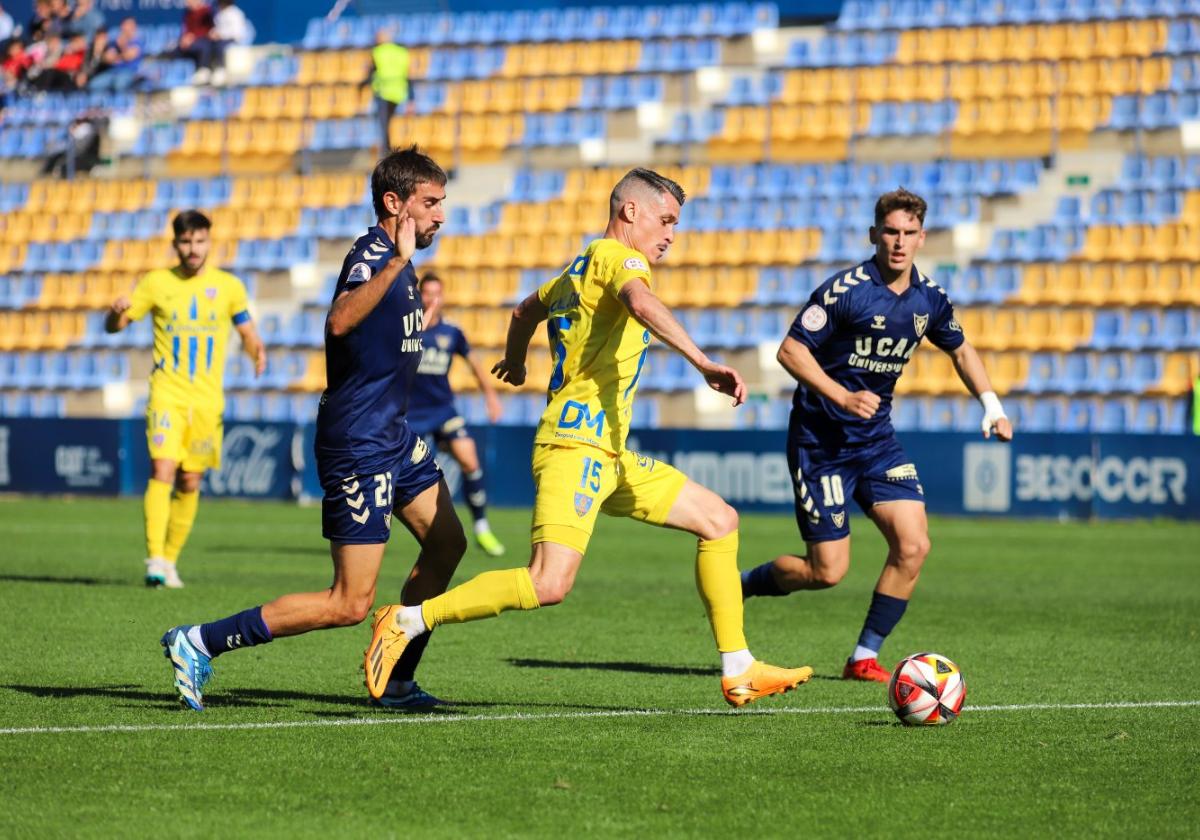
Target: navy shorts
<point>444,424</point>
<point>870,474</point>
<point>358,509</point>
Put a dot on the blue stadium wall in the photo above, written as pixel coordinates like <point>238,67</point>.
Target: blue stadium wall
<point>1039,475</point>
<point>284,21</point>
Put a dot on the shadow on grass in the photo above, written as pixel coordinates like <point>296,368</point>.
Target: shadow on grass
<point>455,708</point>
<point>233,697</point>
<point>74,581</point>
<point>630,667</point>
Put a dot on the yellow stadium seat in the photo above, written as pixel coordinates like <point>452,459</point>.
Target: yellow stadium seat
<point>353,66</point>
<point>1076,326</point>
<point>1049,42</point>
<point>1179,373</point>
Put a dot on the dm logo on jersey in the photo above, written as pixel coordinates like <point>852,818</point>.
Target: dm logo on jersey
<point>582,504</point>
<point>839,518</point>
<point>920,322</point>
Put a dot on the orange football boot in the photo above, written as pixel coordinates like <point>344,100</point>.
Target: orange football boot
<point>762,680</point>
<point>866,670</point>
<point>388,641</point>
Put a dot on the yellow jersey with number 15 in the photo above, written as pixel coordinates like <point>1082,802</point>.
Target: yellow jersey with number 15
<point>598,349</point>
<point>192,316</point>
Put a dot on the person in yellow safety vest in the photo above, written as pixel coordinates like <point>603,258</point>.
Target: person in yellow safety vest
<point>388,77</point>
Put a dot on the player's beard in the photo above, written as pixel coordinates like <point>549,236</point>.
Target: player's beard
<point>424,240</point>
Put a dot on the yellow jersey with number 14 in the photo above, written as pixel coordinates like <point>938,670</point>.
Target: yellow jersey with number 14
<point>598,348</point>
<point>192,316</point>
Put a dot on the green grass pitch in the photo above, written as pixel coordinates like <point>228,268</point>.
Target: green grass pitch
<point>600,717</point>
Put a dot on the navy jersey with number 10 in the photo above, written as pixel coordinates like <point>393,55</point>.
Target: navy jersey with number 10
<point>862,334</point>
<point>370,370</point>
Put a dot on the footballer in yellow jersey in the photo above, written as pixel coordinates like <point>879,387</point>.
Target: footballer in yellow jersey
<point>193,306</point>
<point>601,315</point>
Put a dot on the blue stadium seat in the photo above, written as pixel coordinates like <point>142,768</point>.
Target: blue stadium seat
<point>1179,330</point>
<point>1077,417</point>
<point>1112,416</point>
<point>1140,329</point>
<point>1108,326</point>
<point>1073,371</point>
<point>1045,373</point>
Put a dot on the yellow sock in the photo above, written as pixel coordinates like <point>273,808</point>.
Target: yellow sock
<point>156,505</point>
<point>720,588</point>
<point>483,596</point>
<point>183,516</point>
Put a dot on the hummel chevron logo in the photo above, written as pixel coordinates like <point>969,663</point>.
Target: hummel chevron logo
<point>356,503</point>
<point>360,518</point>
<point>861,273</point>
<point>350,489</point>
<point>233,641</point>
<point>838,289</point>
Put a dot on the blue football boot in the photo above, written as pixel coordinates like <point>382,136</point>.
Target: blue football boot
<point>191,667</point>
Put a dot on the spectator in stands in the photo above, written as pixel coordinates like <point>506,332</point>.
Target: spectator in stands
<point>121,59</point>
<point>16,62</point>
<point>87,19</point>
<point>7,25</point>
<point>388,77</point>
<point>59,18</point>
<point>37,23</point>
<point>196,42</point>
<point>45,73</point>
<point>79,149</point>
<point>230,25</point>
<point>94,63</point>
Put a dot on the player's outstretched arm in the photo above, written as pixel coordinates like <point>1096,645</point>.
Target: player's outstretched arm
<point>973,374</point>
<point>116,319</point>
<point>799,361</point>
<point>521,327</point>
<point>654,315</point>
<point>494,409</point>
<point>353,306</point>
<point>252,346</point>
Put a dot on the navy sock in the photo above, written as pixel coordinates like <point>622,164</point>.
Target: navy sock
<point>476,495</point>
<point>406,665</point>
<point>244,629</point>
<point>882,616</point>
<point>760,581</point>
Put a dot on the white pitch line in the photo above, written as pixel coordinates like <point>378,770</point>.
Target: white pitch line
<point>406,719</point>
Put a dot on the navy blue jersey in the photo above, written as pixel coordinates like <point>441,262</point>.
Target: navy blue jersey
<point>862,334</point>
<point>431,387</point>
<point>360,423</point>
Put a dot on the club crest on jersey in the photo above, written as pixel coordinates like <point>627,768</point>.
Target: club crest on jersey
<point>880,322</point>
<point>813,318</point>
<point>211,293</point>
<point>839,518</point>
<point>159,440</point>
<point>582,504</point>
<point>419,451</point>
<point>443,341</point>
<point>920,322</point>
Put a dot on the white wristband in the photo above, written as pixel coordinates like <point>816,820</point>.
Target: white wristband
<point>992,411</point>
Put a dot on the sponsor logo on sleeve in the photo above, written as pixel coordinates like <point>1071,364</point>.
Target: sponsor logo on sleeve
<point>359,273</point>
<point>814,318</point>
<point>636,264</point>
<point>954,326</point>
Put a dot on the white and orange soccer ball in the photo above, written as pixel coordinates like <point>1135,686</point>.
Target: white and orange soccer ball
<point>926,689</point>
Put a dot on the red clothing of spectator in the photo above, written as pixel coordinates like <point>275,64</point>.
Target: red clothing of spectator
<point>198,22</point>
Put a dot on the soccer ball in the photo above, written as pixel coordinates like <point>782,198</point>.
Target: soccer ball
<point>926,689</point>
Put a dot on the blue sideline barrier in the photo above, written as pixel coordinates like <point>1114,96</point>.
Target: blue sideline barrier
<point>1039,475</point>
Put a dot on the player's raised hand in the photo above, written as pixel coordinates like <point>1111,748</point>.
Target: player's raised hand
<point>406,236</point>
<point>725,380</point>
<point>120,305</point>
<point>862,404</point>
<point>1001,425</point>
<point>506,371</point>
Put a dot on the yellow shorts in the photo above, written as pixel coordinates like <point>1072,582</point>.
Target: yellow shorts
<point>574,483</point>
<point>187,435</point>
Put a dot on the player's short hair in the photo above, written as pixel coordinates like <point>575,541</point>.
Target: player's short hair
<point>900,199</point>
<point>429,277</point>
<point>400,172</point>
<point>643,178</point>
<point>189,220</point>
